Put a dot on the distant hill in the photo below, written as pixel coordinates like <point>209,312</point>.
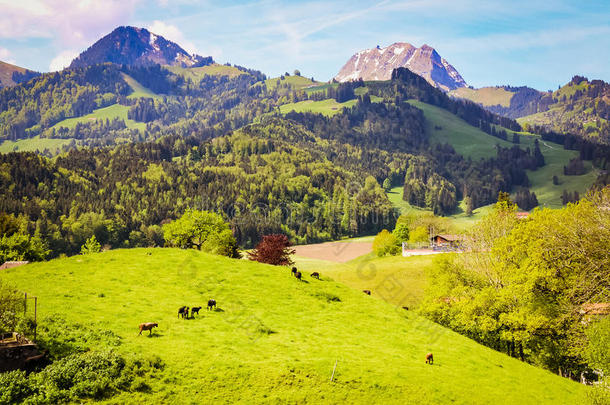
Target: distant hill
<point>581,107</point>
<point>136,46</point>
<point>512,102</point>
<point>378,64</point>
<point>10,75</point>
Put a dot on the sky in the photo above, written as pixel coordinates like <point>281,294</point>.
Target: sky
<point>540,44</point>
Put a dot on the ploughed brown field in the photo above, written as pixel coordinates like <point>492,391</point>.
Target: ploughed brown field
<point>340,252</point>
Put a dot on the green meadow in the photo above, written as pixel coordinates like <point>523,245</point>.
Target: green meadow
<point>110,113</point>
<point>275,339</point>
<point>34,144</point>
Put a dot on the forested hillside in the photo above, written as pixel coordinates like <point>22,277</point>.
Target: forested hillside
<point>213,138</point>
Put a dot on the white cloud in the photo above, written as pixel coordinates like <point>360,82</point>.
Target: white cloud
<point>5,56</point>
<point>172,33</point>
<point>63,60</point>
<point>71,22</point>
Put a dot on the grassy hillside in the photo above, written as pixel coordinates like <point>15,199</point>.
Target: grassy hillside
<point>486,96</point>
<point>328,107</point>
<point>198,73</point>
<point>572,112</point>
<point>470,141</point>
<point>33,144</point>
<point>395,279</point>
<point>138,89</point>
<point>110,112</point>
<point>295,82</point>
<point>275,339</point>
<point>465,139</point>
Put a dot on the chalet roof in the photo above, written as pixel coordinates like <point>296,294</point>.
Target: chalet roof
<point>522,215</point>
<point>449,237</point>
<point>10,264</point>
<point>595,308</point>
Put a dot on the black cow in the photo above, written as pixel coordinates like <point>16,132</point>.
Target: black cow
<point>294,271</point>
<point>298,275</point>
<point>211,304</point>
<point>316,275</point>
<point>183,312</point>
<point>367,292</point>
<point>195,310</point>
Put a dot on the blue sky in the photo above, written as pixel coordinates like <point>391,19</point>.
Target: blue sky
<point>541,44</point>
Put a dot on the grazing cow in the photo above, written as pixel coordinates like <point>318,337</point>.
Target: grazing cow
<point>211,304</point>
<point>183,312</point>
<point>405,308</point>
<point>316,275</point>
<point>298,275</point>
<point>294,271</point>
<point>429,358</point>
<point>195,310</point>
<point>148,326</point>
<point>367,292</point>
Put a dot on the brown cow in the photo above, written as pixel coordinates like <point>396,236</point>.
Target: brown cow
<point>148,326</point>
<point>429,358</point>
<point>315,274</point>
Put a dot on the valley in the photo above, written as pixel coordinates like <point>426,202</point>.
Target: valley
<point>143,180</point>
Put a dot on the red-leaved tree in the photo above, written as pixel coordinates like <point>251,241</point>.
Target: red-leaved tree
<point>273,249</point>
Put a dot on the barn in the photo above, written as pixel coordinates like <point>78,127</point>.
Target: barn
<point>446,241</point>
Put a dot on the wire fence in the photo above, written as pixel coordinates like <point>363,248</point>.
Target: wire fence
<point>19,313</point>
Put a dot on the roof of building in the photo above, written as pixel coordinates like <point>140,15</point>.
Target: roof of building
<point>595,308</point>
<point>449,237</point>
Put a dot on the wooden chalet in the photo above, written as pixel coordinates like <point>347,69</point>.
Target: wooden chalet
<point>446,241</point>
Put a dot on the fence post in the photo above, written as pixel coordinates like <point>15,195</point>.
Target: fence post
<point>35,319</point>
<point>25,304</point>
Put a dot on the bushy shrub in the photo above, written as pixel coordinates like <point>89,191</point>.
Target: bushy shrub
<point>90,375</point>
<point>60,338</point>
<point>14,387</point>
<point>385,243</point>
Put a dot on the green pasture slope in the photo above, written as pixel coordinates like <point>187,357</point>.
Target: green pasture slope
<point>198,73</point>
<point>35,144</point>
<point>472,142</point>
<point>115,110</point>
<point>295,82</point>
<point>275,339</point>
<point>400,281</point>
<point>110,113</point>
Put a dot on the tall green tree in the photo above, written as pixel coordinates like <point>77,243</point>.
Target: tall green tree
<point>201,230</point>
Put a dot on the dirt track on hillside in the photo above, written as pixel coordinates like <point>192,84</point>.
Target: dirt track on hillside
<point>340,252</point>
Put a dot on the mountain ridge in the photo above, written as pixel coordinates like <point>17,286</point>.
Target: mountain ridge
<point>378,64</point>
<point>12,75</point>
<point>136,46</point>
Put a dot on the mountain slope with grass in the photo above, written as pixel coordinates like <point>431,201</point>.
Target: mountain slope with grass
<point>581,107</point>
<point>272,337</point>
